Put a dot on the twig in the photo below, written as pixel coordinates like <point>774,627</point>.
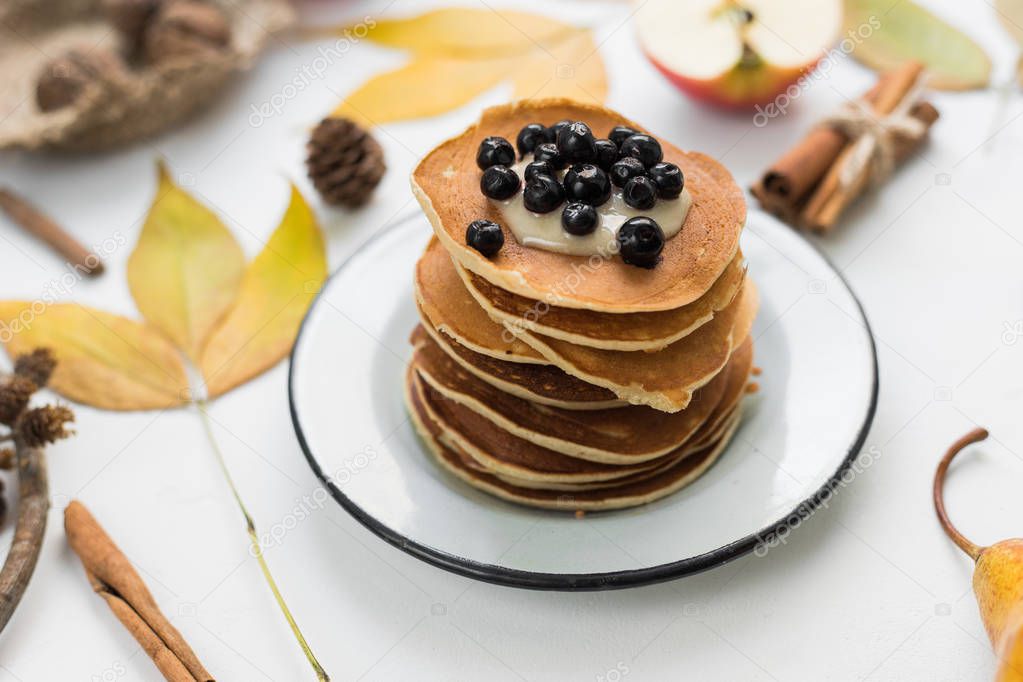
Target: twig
<point>114,578</point>
<point>35,221</point>
<point>30,431</point>
<point>28,532</point>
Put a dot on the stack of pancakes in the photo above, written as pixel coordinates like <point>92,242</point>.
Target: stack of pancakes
<point>569,382</point>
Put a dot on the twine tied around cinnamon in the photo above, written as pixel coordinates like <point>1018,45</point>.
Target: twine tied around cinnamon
<point>875,150</point>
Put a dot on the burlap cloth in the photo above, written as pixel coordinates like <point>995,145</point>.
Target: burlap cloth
<point>126,107</point>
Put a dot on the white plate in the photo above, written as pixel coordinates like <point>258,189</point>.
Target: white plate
<point>801,431</point>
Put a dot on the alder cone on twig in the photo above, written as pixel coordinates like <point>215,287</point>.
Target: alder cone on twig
<point>345,163</point>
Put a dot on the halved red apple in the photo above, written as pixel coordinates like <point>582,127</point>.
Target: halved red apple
<point>736,52</point>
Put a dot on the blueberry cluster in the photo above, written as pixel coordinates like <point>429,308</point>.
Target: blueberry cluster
<point>627,159</point>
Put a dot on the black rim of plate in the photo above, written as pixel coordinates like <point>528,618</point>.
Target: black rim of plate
<point>610,580</point>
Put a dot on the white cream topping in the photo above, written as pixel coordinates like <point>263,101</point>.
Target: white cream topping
<point>544,230</point>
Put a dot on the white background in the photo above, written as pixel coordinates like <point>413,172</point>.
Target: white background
<point>869,589</point>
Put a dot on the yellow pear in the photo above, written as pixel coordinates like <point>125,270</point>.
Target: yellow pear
<point>997,578</point>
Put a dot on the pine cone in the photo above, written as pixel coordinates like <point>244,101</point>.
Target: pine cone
<point>345,163</point>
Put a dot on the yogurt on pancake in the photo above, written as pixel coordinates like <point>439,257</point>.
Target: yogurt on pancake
<point>544,230</point>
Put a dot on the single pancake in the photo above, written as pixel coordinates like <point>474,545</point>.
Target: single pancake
<point>544,384</point>
<point>444,301</point>
<point>666,379</point>
<point>447,184</point>
<point>610,331</point>
<point>739,367</point>
<point>622,435</point>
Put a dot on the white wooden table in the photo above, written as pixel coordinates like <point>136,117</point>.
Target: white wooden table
<point>869,589</point>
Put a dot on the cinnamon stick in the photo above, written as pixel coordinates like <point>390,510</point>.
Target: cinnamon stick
<point>789,180</point>
<point>38,223</point>
<point>113,578</point>
<point>831,198</point>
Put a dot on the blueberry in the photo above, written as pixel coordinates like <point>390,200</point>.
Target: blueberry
<point>494,151</point>
<point>619,134</point>
<point>499,182</point>
<point>607,154</point>
<point>668,179</point>
<point>640,193</point>
<point>543,194</point>
<point>576,143</point>
<point>537,167</point>
<point>530,136</point>
<point>485,236</point>
<point>548,151</point>
<point>586,183</point>
<point>642,147</point>
<point>552,132</point>
<point>640,241</point>
<point>626,169</point>
<point>579,218</point>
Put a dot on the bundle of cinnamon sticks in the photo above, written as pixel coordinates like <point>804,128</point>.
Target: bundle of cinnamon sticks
<point>817,180</point>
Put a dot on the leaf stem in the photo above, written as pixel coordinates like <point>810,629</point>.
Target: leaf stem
<point>321,674</point>
<point>964,544</point>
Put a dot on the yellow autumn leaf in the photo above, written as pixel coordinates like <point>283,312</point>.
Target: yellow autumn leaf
<point>902,31</point>
<point>466,32</point>
<point>275,293</point>
<point>458,54</point>
<point>572,68</point>
<point>186,268</point>
<point>104,360</point>
<point>1010,14</point>
<point>425,87</point>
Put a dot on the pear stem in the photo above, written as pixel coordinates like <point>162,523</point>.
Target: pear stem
<point>964,544</point>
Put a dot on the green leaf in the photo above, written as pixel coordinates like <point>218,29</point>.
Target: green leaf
<point>186,268</point>
<point>900,30</point>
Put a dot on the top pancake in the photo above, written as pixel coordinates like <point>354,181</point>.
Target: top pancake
<point>446,183</point>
